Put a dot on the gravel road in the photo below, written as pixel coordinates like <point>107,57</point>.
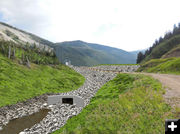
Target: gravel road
<point>172,86</point>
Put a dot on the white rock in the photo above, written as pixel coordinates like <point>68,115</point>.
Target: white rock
<point>50,106</point>
<point>22,133</point>
<point>56,124</point>
<point>55,120</point>
<point>45,104</point>
<point>74,113</point>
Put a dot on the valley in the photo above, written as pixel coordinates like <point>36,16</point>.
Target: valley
<point>119,95</point>
<point>59,115</point>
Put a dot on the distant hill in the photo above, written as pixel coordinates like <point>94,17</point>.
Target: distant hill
<point>88,54</point>
<point>137,51</point>
<point>10,33</point>
<point>78,52</point>
<point>167,46</point>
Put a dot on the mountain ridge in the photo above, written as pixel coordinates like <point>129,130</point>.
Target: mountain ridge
<point>10,33</point>
<point>92,52</point>
<point>80,53</point>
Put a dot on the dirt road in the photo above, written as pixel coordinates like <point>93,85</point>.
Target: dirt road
<point>172,86</point>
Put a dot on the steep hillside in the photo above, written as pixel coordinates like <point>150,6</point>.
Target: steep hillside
<point>28,72</point>
<point>163,46</point>
<point>10,33</point>
<point>26,54</point>
<point>163,56</point>
<point>175,52</point>
<point>89,54</point>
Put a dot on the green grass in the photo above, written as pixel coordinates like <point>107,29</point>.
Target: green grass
<point>168,65</point>
<point>128,104</point>
<point>18,83</point>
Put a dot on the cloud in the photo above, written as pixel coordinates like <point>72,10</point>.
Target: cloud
<point>24,14</point>
<point>128,25</point>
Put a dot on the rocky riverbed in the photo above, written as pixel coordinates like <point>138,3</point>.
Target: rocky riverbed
<point>58,114</point>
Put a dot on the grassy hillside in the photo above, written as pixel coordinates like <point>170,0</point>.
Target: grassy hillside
<point>19,82</point>
<point>88,54</point>
<point>168,65</point>
<point>175,52</point>
<point>127,104</point>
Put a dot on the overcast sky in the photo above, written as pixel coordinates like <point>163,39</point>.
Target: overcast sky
<point>124,24</point>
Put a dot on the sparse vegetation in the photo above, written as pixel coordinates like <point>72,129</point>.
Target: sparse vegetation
<point>22,52</point>
<point>10,34</point>
<point>34,37</point>
<point>127,104</point>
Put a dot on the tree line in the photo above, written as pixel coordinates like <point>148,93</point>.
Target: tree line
<point>26,53</point>
<point>176,31</point>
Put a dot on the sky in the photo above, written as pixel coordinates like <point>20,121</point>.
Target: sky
<point>125,24</point>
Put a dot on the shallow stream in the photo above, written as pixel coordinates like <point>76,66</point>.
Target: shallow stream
<point>17,125</point>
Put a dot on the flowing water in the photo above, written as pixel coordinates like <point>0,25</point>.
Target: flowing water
<point>17,125</point>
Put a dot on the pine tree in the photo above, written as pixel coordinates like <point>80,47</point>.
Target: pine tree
<point>140,57</point>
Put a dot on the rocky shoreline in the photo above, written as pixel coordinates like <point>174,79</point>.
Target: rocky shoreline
<point>58,114</point>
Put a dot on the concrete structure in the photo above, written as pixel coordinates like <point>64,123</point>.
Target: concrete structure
<point>68,99</point>
<point>67,62</point>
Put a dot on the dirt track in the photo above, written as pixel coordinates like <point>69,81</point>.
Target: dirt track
<point>169,81</point>
<point>172,86</point>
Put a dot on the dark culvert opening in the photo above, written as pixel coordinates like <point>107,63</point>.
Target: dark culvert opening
<point>67,101</point>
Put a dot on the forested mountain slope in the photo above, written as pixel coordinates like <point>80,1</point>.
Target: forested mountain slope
<point>88,54</point>
<point>164,55</point>
<point>163,45</point>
